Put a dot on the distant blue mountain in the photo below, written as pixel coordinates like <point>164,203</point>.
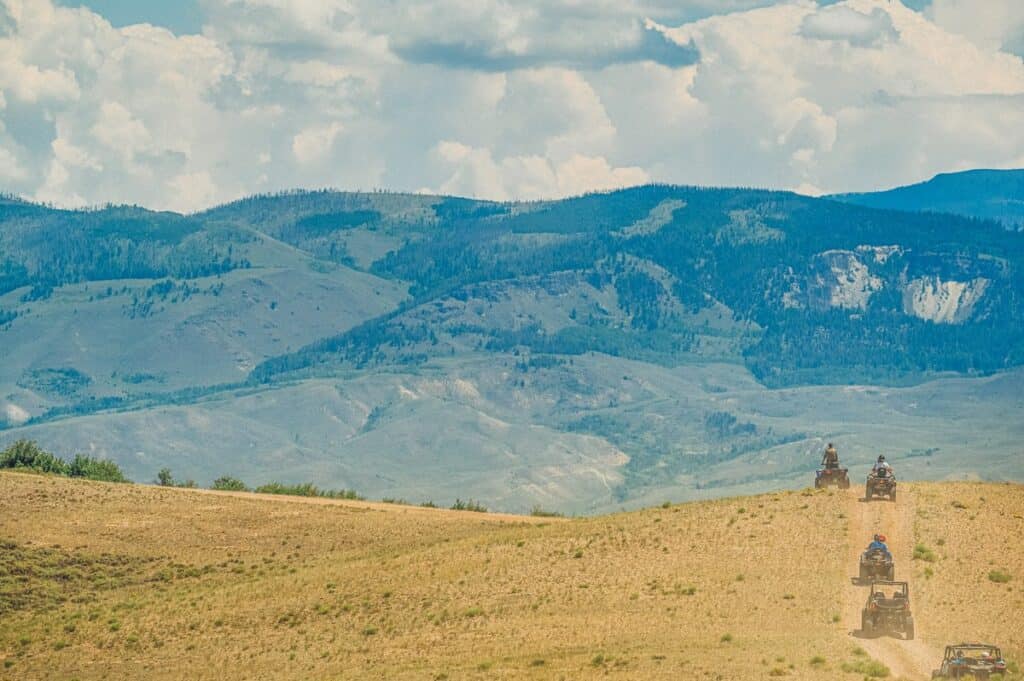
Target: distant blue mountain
<point>988,194</point>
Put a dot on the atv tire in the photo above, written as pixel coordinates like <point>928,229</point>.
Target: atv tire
<point>892,495</point>
<point>891,576</point>
<point>865,623</point>
<point>844,484</point>
<point>910,629</point>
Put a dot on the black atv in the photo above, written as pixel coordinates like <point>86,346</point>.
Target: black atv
<point>882,485</point>
<point>877,564</point>
<point>888,610</point>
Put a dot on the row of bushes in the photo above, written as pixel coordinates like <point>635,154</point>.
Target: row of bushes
<point>27,455</point>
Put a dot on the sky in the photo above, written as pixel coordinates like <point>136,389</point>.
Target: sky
<point>183,104</point>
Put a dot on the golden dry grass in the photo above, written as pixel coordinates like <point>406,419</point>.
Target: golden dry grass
<point>118,581</point>
<point>971,531</point>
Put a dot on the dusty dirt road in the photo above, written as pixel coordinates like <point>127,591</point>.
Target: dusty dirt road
<point>910,660</point>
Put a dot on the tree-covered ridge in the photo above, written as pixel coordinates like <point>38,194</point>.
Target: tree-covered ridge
<point>44,248</point>
<point>798,289</point>
<point>769,258</point>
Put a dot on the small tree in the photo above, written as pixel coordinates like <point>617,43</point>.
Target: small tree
<point>229,484</point>
<point>164,478</point>
<point>95,469</point>
<point>27,454</point>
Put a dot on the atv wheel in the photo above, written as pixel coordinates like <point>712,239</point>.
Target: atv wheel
<point>865,623</point>
<point>892,573</point>
<point>863,576</point>
<point>867,493</point>
<point>892,495</point>
<point>910,629</point>
<point>817,483</point>
<point>844,484</point>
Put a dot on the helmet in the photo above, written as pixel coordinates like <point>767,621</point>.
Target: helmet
<point>880,537</point>
<point>829,444</point>
<point>881,458</point>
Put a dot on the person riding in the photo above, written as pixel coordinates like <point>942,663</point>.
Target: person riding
<point>881,469</point>
<point>878,544</point>
<point>831,457</point>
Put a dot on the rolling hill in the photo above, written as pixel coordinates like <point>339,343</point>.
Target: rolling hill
<point>112,581</point>
<point>587,354</point>
<point>986,194</point>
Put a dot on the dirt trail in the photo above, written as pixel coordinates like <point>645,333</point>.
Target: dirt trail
<point>906,659</point>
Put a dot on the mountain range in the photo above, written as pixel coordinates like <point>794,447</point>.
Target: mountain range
<point>588,353</point>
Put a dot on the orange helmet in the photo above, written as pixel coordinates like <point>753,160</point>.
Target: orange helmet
<point>880,537</point>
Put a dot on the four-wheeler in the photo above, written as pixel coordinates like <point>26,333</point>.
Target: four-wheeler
<point>832,476</point>
<point>975,660</point>
<point>888,610</point>
<point>880,485</point>
<point>876,564</point>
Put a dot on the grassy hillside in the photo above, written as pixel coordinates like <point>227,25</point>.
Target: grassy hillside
<point>117,581</point>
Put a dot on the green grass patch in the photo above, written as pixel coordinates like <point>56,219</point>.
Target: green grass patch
<point>872,669</point>
<point>922,552</point>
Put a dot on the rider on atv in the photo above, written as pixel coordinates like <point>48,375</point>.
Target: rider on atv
<point>881,469</point>
<point>831,457</point>
<point>878,544</point>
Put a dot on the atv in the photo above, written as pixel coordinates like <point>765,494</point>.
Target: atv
<point>876,564</point>
<point>976,660</point>
<point>880,485</point>
<point>888,613</point>
<point>832,476</point>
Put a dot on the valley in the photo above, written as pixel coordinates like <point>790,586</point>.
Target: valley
<point>590,354</point>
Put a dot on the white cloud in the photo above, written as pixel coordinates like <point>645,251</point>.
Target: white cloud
<point>15,414</point>
<point>474,172</point>
<point>845,23</point>
<point>994,25</point>
<point>496,99</point>
<point>314,144</point>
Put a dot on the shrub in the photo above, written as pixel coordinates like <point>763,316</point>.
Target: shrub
<point>922,552</point>
<point>817,661</point>
<point>95,469</point>
<point>26,454</point>
<point>999,577</point>
<point>227,483</point>
<point>872,669</point>
<point>469,505</point>
<point>164,478</point>
<point>541,513</point>
<point>306,489</point>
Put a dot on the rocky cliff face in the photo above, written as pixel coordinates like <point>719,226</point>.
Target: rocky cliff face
<point>943,302</point>
<point>847,280</point>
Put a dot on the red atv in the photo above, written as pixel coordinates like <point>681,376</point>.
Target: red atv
<point>832,476</point>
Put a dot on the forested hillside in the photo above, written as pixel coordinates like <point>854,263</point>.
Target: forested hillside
<point>989,194</point>
<point>594,349</point>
